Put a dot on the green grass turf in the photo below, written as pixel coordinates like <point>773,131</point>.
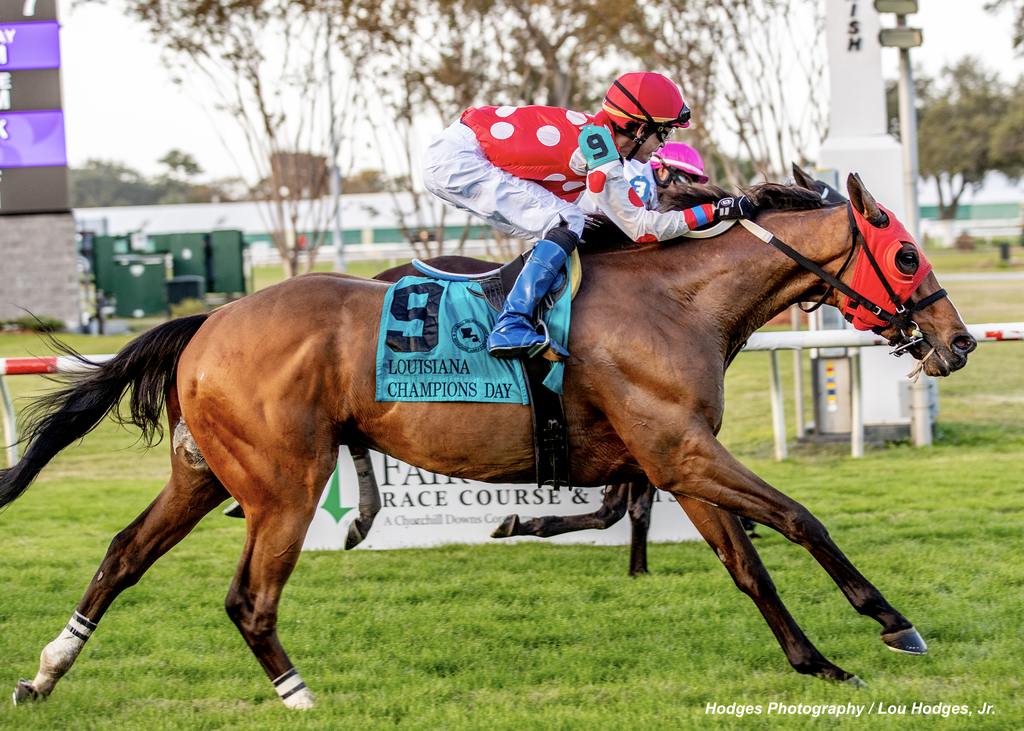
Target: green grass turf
<point>541,636</point>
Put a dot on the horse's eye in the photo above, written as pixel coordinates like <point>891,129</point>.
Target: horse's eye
<point>907,260</point>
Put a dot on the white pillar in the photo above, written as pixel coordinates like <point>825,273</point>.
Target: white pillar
<point>798,376</point>
<point>10,424</point>
<point>856,406</point>
<point>778,414</point>
<point>857,140</point>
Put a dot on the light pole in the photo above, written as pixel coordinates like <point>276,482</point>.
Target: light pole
<point>905,38</point>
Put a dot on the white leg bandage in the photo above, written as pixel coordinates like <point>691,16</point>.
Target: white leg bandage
<point>293,691</point>
<point>58,656</point>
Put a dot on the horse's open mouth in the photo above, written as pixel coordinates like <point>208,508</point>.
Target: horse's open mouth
<point>938,361</point>
<point>934,360</point>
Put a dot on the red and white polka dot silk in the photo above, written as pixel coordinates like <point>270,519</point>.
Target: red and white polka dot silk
<point>533,143</point>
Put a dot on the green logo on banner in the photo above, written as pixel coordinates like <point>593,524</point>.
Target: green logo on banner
<point>332,503</point>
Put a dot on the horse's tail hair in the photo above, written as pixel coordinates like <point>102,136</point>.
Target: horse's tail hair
<point>147,366</point>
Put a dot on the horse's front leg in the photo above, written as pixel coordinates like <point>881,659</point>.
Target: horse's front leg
<point>727,538</point>
<point>613,507</point>
<point>705,470</point>
<point>641,500</point>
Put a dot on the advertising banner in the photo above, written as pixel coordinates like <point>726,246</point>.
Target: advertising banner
<point>33,159</point>
<point>423,509</point>
<point>29,46</point>
<point>32,139</point>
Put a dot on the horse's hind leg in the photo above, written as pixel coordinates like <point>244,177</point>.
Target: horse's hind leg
<point>613,507</point>
<point>271,551</point>
<point>725,534</point>
<point>189,495</point>
<point>641,500</point>
<point>369,498</point>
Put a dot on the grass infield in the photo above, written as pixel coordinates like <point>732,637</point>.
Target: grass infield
<point>541,636</point>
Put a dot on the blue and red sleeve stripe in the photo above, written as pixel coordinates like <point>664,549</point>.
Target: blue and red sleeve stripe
<point>699,215</point>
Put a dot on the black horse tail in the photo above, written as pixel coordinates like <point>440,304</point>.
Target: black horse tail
<point>147,365</point>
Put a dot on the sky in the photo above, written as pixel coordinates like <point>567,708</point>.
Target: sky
<point>121,102</point>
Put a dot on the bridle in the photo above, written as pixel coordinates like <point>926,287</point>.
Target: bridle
<point>897,312</point>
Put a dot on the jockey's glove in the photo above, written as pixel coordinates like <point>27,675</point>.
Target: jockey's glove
<point>734,207</point>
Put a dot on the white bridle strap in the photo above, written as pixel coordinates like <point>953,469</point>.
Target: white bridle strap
<point>758,231</point>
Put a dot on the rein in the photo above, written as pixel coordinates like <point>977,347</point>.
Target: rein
<point>902,312</point>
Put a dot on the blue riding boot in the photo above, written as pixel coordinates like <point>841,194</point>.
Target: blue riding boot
<point>514,333</point>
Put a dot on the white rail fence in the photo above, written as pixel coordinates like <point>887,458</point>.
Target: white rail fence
<point>761,341</point>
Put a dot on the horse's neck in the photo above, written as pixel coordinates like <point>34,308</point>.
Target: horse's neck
<point>766,282</point>
<point>737,283</point>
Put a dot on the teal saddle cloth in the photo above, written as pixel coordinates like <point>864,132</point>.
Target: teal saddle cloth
<point>432,345</point>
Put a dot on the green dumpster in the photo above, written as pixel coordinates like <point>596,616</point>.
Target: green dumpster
<point>138,285</point>
<point>189,252</point>
<point>226,274</point>
<point>104,249</point>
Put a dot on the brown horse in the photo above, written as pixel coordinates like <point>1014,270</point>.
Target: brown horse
<point>260,394</point>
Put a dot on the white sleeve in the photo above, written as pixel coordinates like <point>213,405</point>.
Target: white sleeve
<point>611,195</point>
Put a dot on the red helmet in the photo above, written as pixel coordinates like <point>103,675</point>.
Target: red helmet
<point>646,97</point>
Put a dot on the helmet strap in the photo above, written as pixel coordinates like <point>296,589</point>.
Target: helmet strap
<point>638,138</point>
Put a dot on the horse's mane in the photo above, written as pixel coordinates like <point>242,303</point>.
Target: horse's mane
<point>603,235</point>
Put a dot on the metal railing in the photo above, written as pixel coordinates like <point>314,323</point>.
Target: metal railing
<point>761,341</point>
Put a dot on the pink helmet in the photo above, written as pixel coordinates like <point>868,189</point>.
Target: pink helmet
<point>681,156</point>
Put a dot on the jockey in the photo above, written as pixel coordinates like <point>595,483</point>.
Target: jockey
<point>524,170</point>
<point>676,163</point>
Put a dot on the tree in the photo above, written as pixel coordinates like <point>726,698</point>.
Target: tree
<point>107,183</point>
<point>100,183</point>
<point>957,140</point>
<point>180,164</point>
<point>1006,145</point>
<point>752,72</point>
<point>369,181</point>
<point>430,59</point>
<point>266,61</point>
<point>1018,20</point>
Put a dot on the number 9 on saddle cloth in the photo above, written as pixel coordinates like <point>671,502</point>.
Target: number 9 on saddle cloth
<point>432,346</point>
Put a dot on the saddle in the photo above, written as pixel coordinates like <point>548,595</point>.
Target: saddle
<point>550,436</point>
<point>496,282</point>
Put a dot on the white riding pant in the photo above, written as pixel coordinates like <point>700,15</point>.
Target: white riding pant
<point>456,170</point>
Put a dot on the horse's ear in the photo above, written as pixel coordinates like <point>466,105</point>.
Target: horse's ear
<point>864,202</point>
<point>802,178</point>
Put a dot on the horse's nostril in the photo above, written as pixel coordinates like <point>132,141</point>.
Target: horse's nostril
<point>964,344</point>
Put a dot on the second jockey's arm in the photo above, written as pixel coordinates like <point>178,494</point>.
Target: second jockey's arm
<point>613,196</point>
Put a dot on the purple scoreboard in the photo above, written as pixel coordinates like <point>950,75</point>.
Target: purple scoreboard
<point>33,158</point>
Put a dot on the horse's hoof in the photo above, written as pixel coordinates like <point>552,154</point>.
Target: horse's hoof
<point>508,527</point>
<point>25,693</point>
<point>234,510</point>
<point>905,640</point>
<point>855,682</point>
<point>355,536</point>
<point>302,700</point>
